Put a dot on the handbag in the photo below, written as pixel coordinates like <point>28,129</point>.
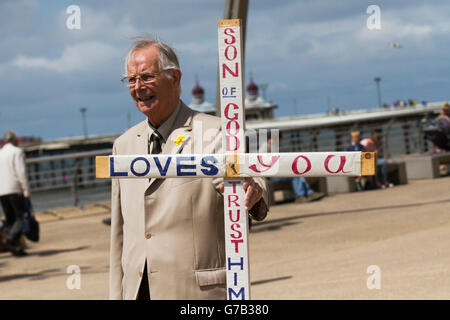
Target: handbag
<point>30,226</point>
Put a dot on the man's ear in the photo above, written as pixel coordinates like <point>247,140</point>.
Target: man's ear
<point>177,77</point>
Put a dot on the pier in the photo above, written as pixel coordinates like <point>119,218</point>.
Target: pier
<point>68,164</point>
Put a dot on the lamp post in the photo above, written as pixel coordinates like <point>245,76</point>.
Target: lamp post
<point>328,105</point>
<point>377,81</point>
<point>83,116</point>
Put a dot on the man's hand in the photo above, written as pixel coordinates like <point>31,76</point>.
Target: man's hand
<point>253,192</point>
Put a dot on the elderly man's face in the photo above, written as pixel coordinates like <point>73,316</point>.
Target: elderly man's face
<point>158,99</point>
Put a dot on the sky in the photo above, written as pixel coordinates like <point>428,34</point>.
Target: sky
<point>305,50</point>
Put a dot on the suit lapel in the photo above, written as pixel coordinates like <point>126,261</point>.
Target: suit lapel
<point>142,145</point>
<point>181,127</point>
<point>142,138</point>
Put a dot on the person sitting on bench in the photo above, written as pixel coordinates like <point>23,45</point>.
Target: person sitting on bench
<point>356,146</point>
<point>372,145</point>
<point>302,191</point>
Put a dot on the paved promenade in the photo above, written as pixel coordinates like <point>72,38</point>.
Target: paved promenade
<point>317,250</point>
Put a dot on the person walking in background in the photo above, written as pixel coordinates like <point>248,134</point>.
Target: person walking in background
<point>356,145</point>
<point>13,191</point>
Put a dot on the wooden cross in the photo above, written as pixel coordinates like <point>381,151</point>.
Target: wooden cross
<point>234,164</point>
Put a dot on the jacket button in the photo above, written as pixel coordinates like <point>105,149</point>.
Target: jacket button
<point>140,273</point>
<point>148,235</point>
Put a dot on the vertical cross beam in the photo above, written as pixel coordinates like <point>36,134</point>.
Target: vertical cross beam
<point>231,85</point>
<point>234,9</point>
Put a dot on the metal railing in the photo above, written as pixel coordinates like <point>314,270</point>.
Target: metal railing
<point>75,170</point>
<point>397,138</point>
<point>69,172</point>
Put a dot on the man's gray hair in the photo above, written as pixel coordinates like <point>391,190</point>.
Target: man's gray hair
<point>167,56</point>
<point>10,136</point>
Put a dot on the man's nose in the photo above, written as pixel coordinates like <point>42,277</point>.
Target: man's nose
<point>138,84</point>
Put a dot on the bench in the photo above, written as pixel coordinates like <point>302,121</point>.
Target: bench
<point>332,185</point>
<point>396,172</point>
<point>426,166</point>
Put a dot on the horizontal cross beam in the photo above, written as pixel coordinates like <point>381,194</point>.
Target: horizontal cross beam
<point>308,164</point>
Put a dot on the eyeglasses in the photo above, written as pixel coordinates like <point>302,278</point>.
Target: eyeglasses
<point>146,78</point>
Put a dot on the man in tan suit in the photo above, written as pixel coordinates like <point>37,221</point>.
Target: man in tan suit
<point>167,235</point>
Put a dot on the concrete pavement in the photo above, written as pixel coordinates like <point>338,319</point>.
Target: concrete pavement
<point>319,250</point>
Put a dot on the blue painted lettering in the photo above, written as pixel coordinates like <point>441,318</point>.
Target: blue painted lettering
<point>232,293</point>
<point>112,173</point>
<point>181,166</point>
<point>208,163</point>
<point>241,264</point>
<point>147,169</point>
<point>162,171</point>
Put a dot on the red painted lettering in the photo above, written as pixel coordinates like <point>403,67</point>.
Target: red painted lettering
<point>235,226</point>
<point>238,215</point>
<point>234,53</point>
<point>341,165</point>
<point>268,166</point>
<point>295,165</point>
<point>229,144</point>
<point>232,38</point>
<point>234,183</point>
<point>236,127</point>
<point>236,198</point>
<point>236,244</point>
<point>227,110</point>
<point>235,74</point>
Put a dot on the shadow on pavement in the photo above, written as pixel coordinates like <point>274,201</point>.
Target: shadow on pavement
<point>282,222</point>
<point>255,283</point>
<point>45,253</point>
<point>44,274</point>
<point>272,227</point>
<point>33,276</point>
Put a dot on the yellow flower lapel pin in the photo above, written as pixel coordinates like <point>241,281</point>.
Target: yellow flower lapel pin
<point>179,139</point>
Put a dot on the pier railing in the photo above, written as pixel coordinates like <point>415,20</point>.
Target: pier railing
<point>401,129</point>
<point>69,172</point>
<point>77,170</point>
<point>398,137</point>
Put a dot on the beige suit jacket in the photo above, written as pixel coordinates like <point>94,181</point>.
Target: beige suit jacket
<point>175,224</point>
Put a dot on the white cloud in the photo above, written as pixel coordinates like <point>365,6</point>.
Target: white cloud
<point>79,57</point>
<point>414,30</point>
